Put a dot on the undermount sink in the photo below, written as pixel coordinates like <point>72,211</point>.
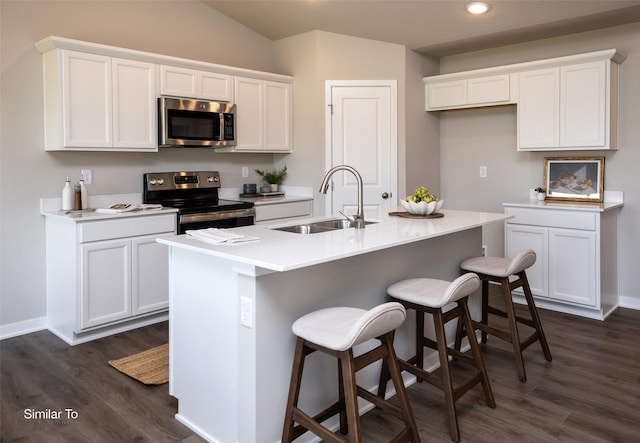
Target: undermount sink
<point>321,226</point>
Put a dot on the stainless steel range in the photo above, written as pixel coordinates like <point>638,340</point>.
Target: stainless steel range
<point>195,194</point>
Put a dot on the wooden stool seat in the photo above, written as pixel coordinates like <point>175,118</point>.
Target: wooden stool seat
<point>430,296</point>
<point>497,269</point>
<point>335,331</point>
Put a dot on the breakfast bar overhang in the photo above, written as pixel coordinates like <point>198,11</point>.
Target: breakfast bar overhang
<point>232,306</point>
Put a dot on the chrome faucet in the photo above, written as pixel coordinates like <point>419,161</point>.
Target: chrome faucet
<point>357,219</point>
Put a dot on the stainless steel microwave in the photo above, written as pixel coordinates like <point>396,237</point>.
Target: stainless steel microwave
<point>184,122</point>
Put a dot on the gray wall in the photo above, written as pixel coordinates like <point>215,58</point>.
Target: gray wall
<point>471,138</point>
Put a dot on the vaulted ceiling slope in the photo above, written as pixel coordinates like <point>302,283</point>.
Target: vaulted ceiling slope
<point>433,27</point>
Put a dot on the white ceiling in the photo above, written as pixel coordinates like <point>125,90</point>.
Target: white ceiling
<point>433,27</point>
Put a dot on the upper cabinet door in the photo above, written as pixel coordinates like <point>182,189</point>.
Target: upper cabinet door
<point>179,82</point>
<point>277,118</point>
<point>212,86</point>
<point>249,114</point>
<point>583,105</point>
<point>86,101</point>
<point>451,94</point>
<point>183,82</point>
<point>134,104</point>
<point>538,109</point>
<point>488,90</point>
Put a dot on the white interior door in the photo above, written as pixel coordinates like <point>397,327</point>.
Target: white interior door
<point>361,129</point>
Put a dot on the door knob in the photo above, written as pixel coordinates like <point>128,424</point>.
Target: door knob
<point>385,195</point>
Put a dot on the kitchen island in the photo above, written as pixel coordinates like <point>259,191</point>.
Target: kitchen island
<point>231,308</point>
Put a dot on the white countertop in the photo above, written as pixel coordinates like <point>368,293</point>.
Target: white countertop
<point>50,207</point>
<point>565,205</point>
<point>283,251</point>
<point>91,214</point>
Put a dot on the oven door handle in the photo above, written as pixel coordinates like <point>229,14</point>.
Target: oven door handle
<point>222,215</point>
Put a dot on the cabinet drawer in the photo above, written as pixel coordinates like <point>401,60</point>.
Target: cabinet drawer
<point>552,218</point>
<point>125,227</point>
<point>283,210</point>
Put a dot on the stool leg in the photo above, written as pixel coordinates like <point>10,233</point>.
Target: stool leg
<point>294,390</point>
<point>533,311</point>
<point>475,350</point>
<point>447,383</point>
<point>350,395</point>
<point>485,309</point>
<point>420,340</point>
<point>344,426</point>
<point>394,372</point>
<point>513,329</point>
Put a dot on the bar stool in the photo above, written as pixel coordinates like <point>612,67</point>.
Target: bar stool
<point>430,296</point>
<point>497,269</point>
<point>335,331</point>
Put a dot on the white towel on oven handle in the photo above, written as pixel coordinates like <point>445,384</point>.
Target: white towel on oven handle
<point>219,236</point>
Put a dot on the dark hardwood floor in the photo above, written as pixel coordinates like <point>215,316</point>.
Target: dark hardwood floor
<point>590,392</point>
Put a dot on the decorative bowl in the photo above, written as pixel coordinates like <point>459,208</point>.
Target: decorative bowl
<point>422,208</point>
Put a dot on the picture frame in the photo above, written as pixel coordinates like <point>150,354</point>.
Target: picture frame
<point>574,179</point>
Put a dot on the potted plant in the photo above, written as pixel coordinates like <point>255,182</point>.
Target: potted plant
<point>540,192</point>
<point>274,178</point>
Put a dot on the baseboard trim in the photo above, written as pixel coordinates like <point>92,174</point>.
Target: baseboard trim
<point>630,302</point>
<point>23,327</point>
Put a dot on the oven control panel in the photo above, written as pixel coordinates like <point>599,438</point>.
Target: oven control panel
<point>165,181</point>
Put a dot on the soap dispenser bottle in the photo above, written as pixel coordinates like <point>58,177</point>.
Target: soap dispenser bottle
<point>67,196</point>
<point>84,197</point>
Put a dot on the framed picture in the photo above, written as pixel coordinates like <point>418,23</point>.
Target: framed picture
<point>574,178</point>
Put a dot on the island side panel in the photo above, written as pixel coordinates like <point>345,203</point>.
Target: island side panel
<point>203,343</point>
<point>360,281</point>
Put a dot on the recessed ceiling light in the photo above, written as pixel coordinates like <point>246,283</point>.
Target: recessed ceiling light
<point>477,7</point>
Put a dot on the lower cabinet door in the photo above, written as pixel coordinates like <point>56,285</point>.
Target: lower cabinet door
<point>521,237</point>
<point>150,278</point>
<point>572,266</point>
<point>105,283</point>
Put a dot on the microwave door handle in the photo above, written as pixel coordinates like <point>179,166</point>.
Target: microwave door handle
<point>221,121</point>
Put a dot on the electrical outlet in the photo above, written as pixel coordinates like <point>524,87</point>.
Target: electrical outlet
<point>87,175</point>
<point>484,250</point>
<point>483,171</point>
<point>246,312</point>
<point>245,172</point>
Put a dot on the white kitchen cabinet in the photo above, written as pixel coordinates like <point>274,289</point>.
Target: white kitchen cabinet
<point>539,109</point>
<point>105,275</point>
<point>563,103</point>
<point>577,255</point>
<point>568,107</point>
<point>98,103</point>
<point>264,115</point>
<point>184,82</point>
<point>134,106</point>
<point>466,93</point>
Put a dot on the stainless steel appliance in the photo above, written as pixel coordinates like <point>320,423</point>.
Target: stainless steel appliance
<point>195,194</point>
<point>184,122</point>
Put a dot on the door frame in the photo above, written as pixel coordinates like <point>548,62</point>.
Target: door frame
<point>393,145</point>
